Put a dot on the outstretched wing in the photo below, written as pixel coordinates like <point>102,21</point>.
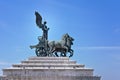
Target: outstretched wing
<point>38,19</point>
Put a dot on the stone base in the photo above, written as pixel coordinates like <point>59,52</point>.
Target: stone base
<point>49,68</point>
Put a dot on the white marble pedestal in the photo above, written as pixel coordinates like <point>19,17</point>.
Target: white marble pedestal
<point>48,68</point>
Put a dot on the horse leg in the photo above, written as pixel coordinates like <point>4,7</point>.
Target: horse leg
<point>63,53</point>
<point>56,54</point>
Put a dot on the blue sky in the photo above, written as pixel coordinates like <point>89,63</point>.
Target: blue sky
<point>95,25</point>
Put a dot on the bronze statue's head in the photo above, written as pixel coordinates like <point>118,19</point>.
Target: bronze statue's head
<point>45,22</point>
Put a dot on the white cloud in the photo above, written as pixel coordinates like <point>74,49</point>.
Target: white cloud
<point>4,63</point>
<point>4,27</point>
<point>117,30</point>
<point>100,48</point>
<point>116,58</point>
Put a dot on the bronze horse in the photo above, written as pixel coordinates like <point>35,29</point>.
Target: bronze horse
<point>63,46</point>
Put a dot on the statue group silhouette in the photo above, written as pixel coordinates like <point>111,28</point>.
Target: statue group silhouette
<point>46,48</point>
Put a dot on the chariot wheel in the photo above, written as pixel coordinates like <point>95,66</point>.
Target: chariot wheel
<point>40,52</point>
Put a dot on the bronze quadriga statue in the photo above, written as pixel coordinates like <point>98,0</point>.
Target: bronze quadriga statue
<point>51,48</point>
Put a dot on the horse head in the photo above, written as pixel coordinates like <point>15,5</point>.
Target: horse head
<point>70,41</point>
